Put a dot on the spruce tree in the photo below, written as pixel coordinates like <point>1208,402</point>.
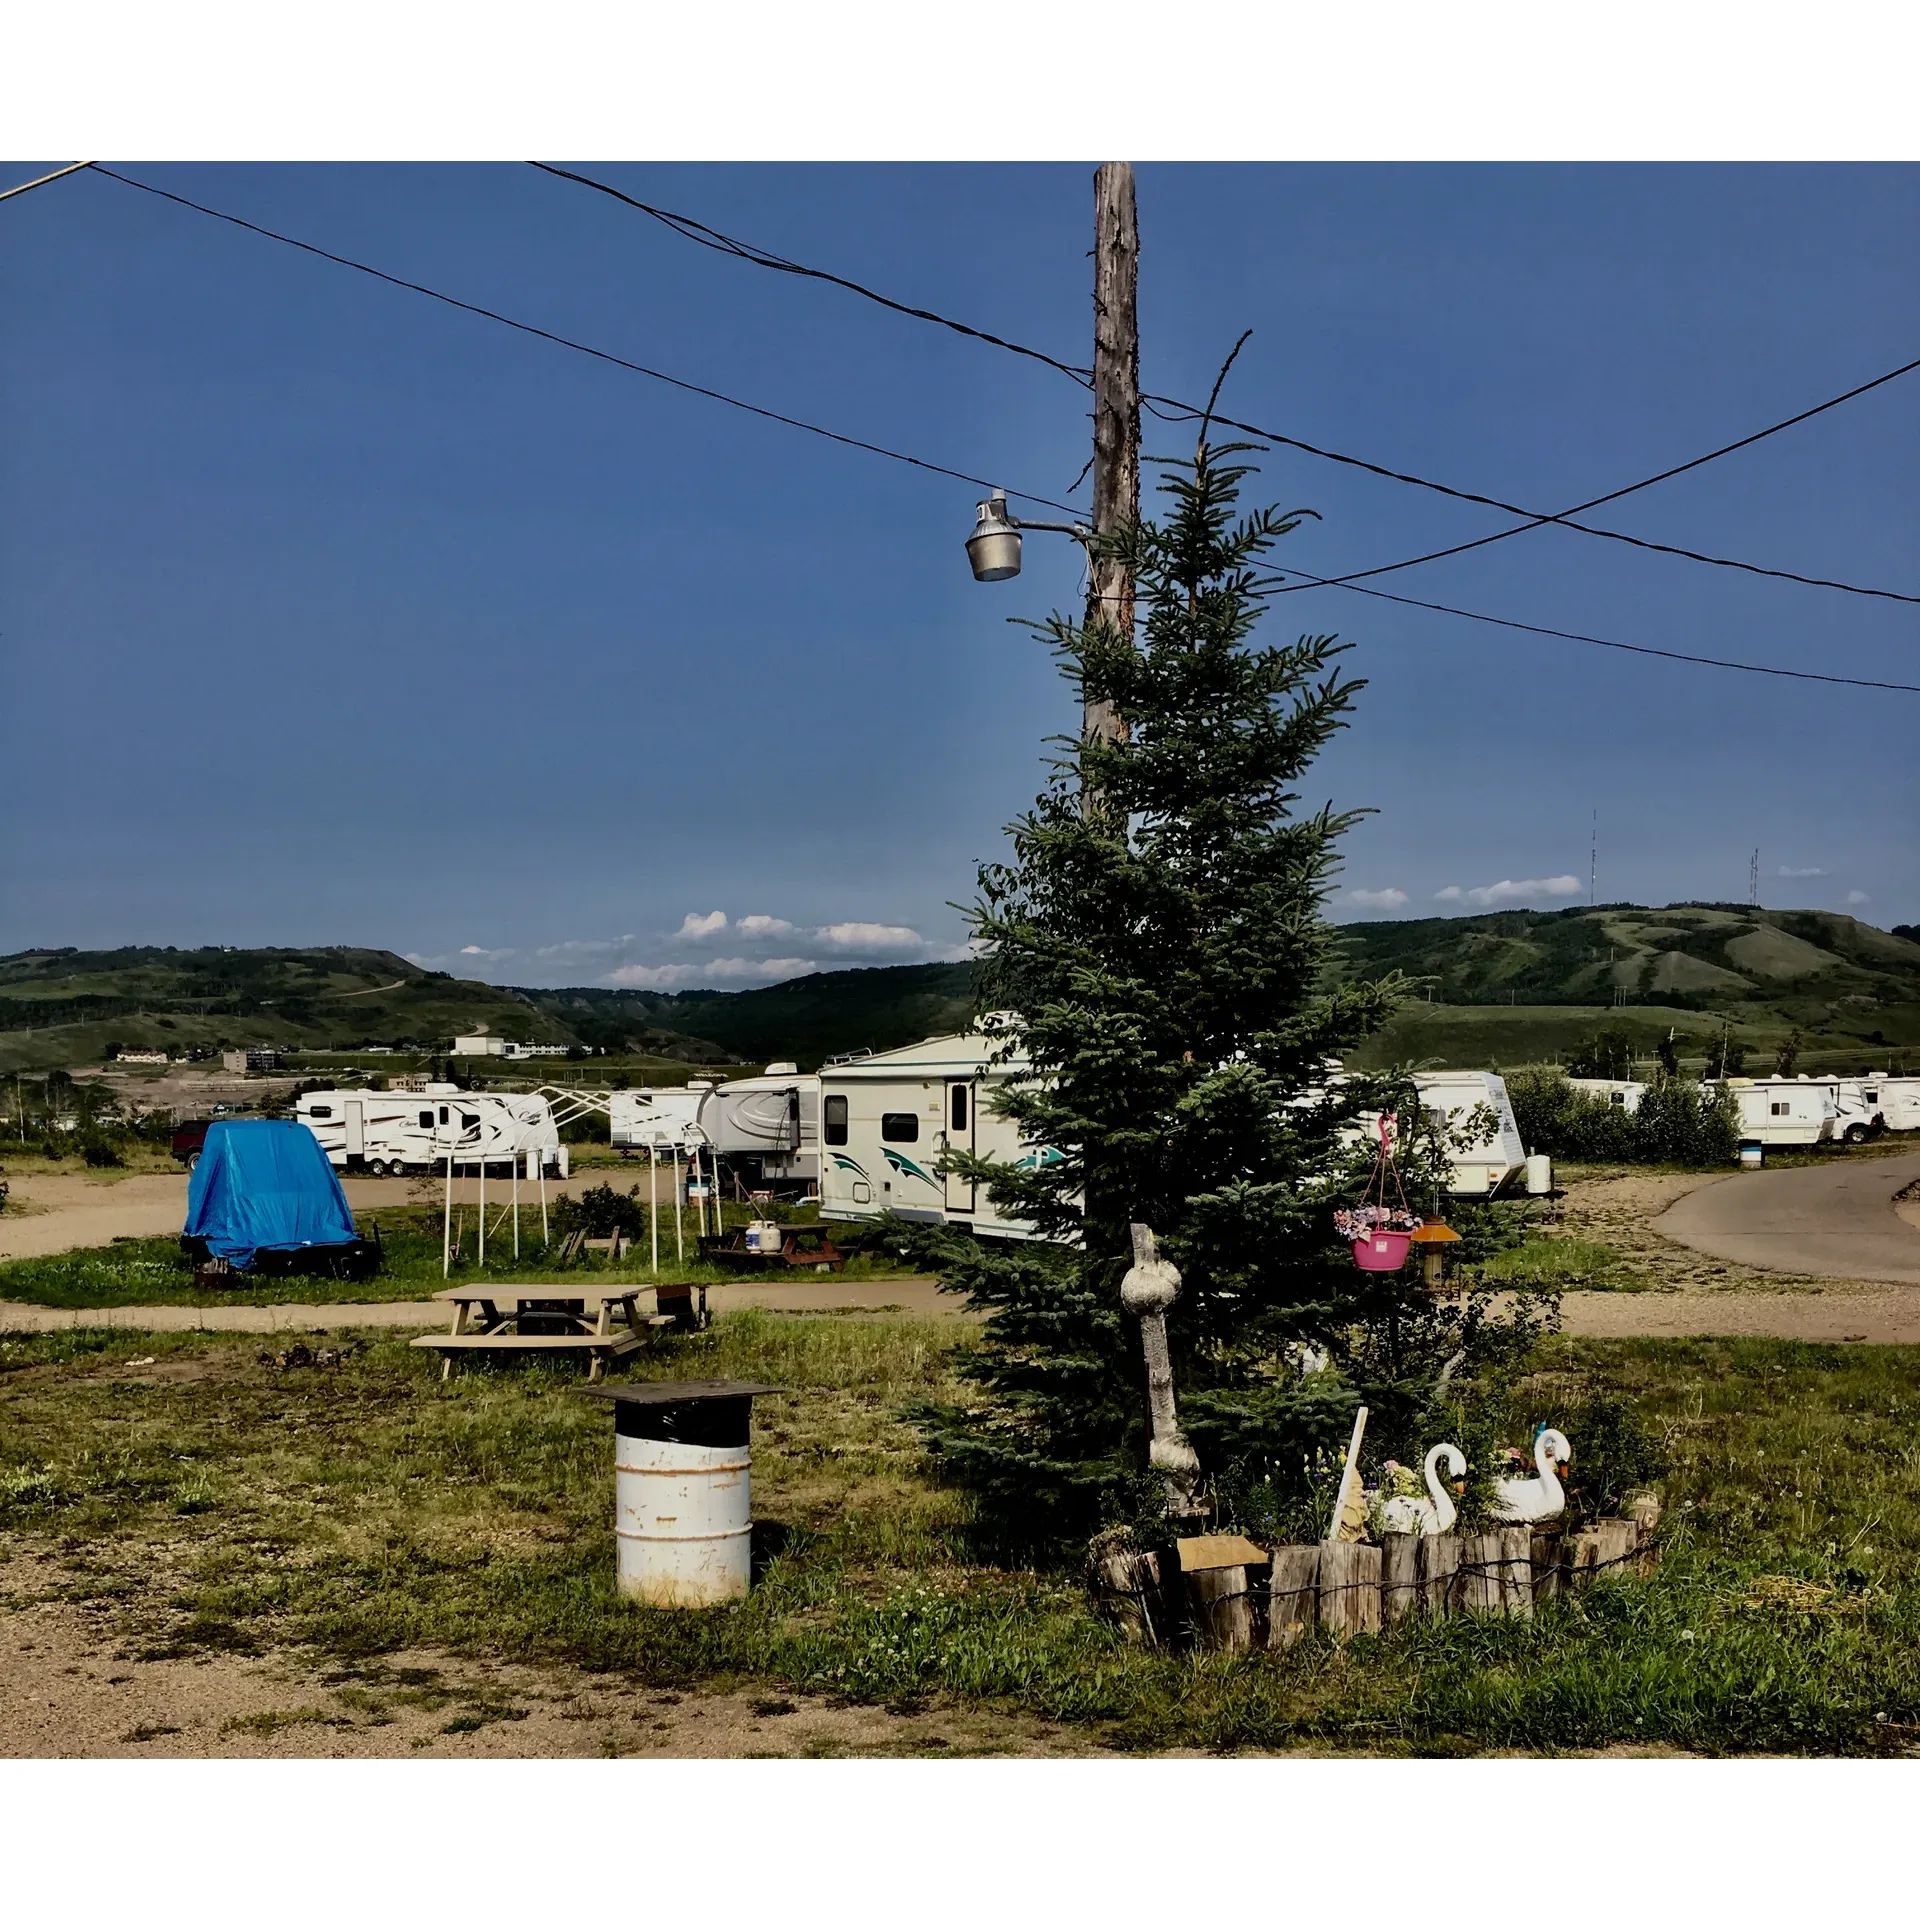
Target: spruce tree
<point>1159,934</point>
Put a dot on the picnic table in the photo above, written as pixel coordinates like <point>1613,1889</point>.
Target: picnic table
<point>602,1320</point>
<point>809,1246</point>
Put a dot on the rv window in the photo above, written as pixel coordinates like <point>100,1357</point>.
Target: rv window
<point>959,1122</point>
<point>443,1116</point>
<point>1779,1107</point>
<point>899,1126</point>
<point>320,1113</point>
<point>469,1123</point>
<point>1619,1099</point>
<point>833,1119</point>
<point>426,1120</point>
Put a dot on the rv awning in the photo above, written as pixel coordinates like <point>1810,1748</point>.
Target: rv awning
<point>265,1183</point>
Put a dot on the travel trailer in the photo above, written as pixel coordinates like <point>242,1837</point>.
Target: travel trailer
<point>1895,1098</point>
<point>1856,1116</point>
<point>1490,1166</point>
<point>887,1118</point>
<point>402,1133</point>
<point>1624,1094</point>
<point>766,1129</point>
<point>1782,1113</point>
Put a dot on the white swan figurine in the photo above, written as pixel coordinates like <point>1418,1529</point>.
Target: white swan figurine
<point>1524,1501</point>
<point>1405,1514</point>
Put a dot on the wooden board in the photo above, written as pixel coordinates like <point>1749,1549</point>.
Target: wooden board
<point>1208,1550</point>
<point>1549,1563</point>
<point>1618,1541</point>
<point>1294,1601</point>
<point>1516,1569</point>
<point>1478,1588</point>
<point>568,1289</point>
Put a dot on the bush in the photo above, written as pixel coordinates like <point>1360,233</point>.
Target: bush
<point>600,1210</point>
<point>100,1153</point>
<point>1677,1122</point>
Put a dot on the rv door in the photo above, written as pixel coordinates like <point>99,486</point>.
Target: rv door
<point>960,1187</point>
<point>355,1111</point>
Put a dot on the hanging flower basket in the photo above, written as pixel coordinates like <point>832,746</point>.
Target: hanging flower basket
<point>1380,1231</point>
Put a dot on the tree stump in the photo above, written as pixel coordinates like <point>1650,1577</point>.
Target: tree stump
<point>1222,1608</point>
<point>1128,1586</point>
<point>1516,1569</point>
<point>1400,1579</point>
<point>1349,1588</point>
<point>1294,1598</point>
<point>1644,1509</point>
<point>1619,1548</point>
<point>1549,1564</point>
<point>1440,1572</point>
<point>1479,1585</point>
<point>1583,1556</point>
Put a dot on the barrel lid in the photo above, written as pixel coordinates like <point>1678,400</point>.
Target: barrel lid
<point>662,1393</point>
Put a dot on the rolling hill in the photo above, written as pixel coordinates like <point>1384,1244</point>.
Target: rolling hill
<point>1494,989</point>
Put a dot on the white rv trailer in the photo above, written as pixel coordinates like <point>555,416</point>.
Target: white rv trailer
<point>1855,1116</point>
<point>886,1119</point>
<point>399,1133</point>
<point>1625,1094</point>
<point>1489,1166</point>
<point>1783,1113</point>
<point>1896,1098</point>
<point>766,1129</point>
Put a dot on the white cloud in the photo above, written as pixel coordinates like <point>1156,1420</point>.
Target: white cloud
<point>1856,898</point>
<point>670,976</point>
<point>473,949</point>
<point>702,926</point>
<point>868,936</point>
<point>1505,892</point>
<point>762,926</point>
<point>739,969</point>
<point>1802,873</point>
<point>1383,899</point>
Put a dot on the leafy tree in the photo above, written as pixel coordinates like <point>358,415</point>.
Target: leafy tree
<point>1605,1054</point>
<point>1668,1053</point>
<point>1158,933</point>
<point>1788,1059</point>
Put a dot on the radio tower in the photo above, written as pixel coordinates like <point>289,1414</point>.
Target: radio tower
<point>1753,879</point>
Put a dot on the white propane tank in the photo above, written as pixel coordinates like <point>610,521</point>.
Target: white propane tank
<point>763,1236</point>
<point>1539,1173</point>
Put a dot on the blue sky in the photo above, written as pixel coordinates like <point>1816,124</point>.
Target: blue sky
<point>330,615</point>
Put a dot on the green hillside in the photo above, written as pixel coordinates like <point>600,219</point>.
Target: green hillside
<point>806,1020</point>
<point>1512,987</point>
<point>64,1007</point>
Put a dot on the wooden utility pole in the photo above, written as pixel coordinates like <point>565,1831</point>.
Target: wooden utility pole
<point>1116,409</point>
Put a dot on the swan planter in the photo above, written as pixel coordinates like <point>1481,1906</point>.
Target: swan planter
<point>1435,1514</point>
<point>1521,1502</point>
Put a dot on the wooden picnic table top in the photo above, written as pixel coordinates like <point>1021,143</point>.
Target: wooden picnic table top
<point>563,1286</point>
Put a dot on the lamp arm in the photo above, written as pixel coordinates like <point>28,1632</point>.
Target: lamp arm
<point>1074,529</point>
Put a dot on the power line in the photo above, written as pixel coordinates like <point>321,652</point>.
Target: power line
<point>59,173</point>
<point>576,346</point>
<point>868,446</point>
<point>1590,640</point>
<point>711,237</point>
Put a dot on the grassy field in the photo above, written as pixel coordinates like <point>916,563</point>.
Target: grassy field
<point>363,1511</point>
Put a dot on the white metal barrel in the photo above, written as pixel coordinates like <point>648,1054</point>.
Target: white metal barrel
<point>683,1525</point>
<point>683,1520</point>
<point>1539,1173</point>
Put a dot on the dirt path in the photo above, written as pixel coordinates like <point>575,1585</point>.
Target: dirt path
<point>1837,1220</point>
<point>71,1687</point>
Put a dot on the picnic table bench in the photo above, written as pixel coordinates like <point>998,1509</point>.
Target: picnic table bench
<point>603,1321</point>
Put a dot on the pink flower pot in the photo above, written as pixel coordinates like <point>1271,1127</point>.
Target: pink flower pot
<point>1381,1252</point>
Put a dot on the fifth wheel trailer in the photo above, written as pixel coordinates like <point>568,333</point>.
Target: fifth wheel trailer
<point>399,1133</point>
<point>766,1129</point>
<point>887,1118</point>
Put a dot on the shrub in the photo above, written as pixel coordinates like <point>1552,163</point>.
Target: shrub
<point>600,1210</point>
<point>1677,1122</point>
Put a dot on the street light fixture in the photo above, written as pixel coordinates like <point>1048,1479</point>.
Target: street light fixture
<point>993,548</point>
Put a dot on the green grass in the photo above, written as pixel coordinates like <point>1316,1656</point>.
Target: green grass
<point>369,1510</point>
<point>1555,1262</point>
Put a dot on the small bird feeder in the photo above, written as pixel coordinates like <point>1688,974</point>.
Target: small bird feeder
<point>1432,1237</point>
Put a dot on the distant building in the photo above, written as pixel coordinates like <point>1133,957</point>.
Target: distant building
<point>529,1050</point>
<point>408,1083</point>
<point>141,1057</point>
<point>481,1043</point>
<point>251,1060</point>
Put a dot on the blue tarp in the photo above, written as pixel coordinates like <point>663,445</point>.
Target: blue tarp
<point>265,1183</point>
